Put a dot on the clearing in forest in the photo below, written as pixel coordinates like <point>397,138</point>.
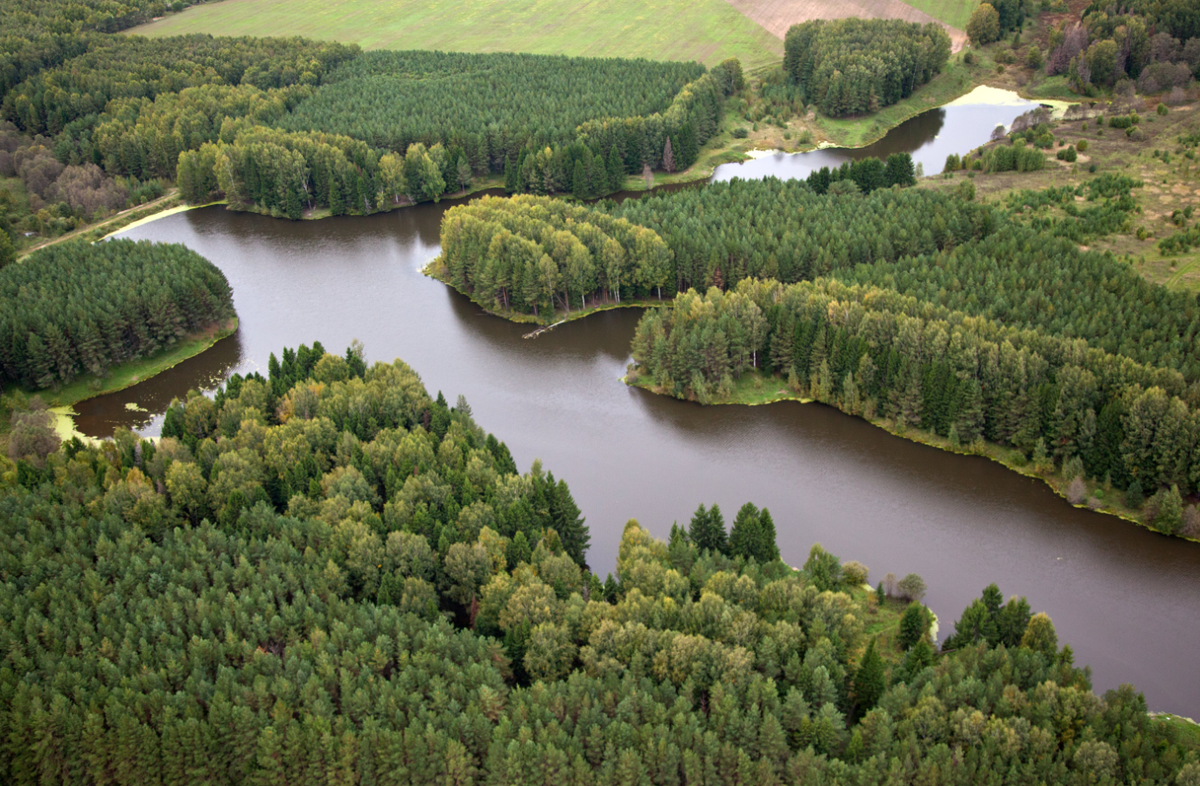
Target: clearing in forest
<point>776,16</point>
<point>704,30</point>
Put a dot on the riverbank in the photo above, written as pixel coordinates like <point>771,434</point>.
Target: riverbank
<point>166,205</point>
<point>755,389</point>
<point>120,377</point>
<point>437,271</point>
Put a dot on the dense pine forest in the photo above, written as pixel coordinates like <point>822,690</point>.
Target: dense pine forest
<point>93,123</point>
<point>538,256</point>
<point>78,308</point>
<point>327,576</point>
<point>492,106</point>
<point>976,322</point>
<point>855,66</point>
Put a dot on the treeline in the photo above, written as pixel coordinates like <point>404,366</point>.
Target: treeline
<point>40,34</point>
<point>77,308</point>
<point>855,66</point>
<point>367,161</point>
<point>135,67</point>
<point>327,577</point>
<point>287,173</point>
<point>536,255</point>
<point>876,353</point>
<point>143,137</point>
<point>713,236</point>
<point>939,248</point>
<point>1157,44</point>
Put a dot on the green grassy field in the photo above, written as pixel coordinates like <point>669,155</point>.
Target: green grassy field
<point>955,13</point>
<point>704,30</point>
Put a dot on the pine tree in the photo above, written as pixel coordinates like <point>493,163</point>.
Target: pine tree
<point>746,534</point>
<point>510,175</point>
<point>616,170</point>
<point>869,681</point>
<point>707,530</point>
<point>579,188</point>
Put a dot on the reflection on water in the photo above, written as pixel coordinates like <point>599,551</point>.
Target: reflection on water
<point>1123,597</point>
<point>957,127</point>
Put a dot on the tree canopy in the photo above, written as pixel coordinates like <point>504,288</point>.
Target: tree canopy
<point>75,307</point>
<point>326,576</point>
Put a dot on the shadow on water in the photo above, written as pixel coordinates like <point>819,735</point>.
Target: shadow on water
<point>1123,597</point>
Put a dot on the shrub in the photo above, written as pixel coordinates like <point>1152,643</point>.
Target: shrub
<point>740,133</point>
<point>855,573</point>
<point>911,587</point>
<point>1067,154</point>
<point>1033,58</point>
<point>1081,145</point>
<point>1076,491</point>
<point>1161,109</point>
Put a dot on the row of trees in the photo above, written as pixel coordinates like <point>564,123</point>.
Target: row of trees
<point>389,620</point>
<point>875,353</point>
<point>537,255</point>
<point>76,308</point>
<point>855,66</point>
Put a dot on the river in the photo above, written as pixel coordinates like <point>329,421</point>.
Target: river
<point>1123,597</point>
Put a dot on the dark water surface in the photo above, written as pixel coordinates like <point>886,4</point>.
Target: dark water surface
<point>1124,598</point>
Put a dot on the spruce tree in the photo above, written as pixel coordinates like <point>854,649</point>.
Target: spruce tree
<point>616,170</point>
<point>869,681</point>
<point>707,530</point>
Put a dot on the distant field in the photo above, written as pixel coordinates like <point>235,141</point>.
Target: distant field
<point>778,15</point>
<point>703,30</point>
<point>955,13</point>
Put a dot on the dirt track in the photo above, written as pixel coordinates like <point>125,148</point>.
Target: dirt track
<point>776,16</point>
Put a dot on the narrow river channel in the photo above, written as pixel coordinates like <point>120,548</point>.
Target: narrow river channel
<point>1123,597</point>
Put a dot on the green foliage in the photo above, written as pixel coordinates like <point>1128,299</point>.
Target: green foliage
<point>538,255</point>
<point>354,612</point>
<point>990,621</point>
<point>132,67</point>
<point>984,25</point>
<point>753,535</point>
<point>914,625</point>
<point>1179,18</point>
<point>870,350</point>
<point>1015,157</point>
<point>492,105</point>
<point>78,308</point>
<point>854,66</point>
<point>706,531</point>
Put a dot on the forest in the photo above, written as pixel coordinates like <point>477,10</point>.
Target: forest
<point>493,249</point>
<point>327,576</point>
<point>349,148</point>
<point>954,253</point>
<point>876,353</point>
<point>856,66</point>
<point>1154,43</point>
<point>77,308</point>
<point>492,105</point>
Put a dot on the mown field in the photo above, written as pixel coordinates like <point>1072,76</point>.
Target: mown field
<point>703,30</point>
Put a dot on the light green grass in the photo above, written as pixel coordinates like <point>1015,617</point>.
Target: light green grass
<point>127,375</point>
<point>956,79</point>
<point>955,13</point>
<point>703,30</point>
